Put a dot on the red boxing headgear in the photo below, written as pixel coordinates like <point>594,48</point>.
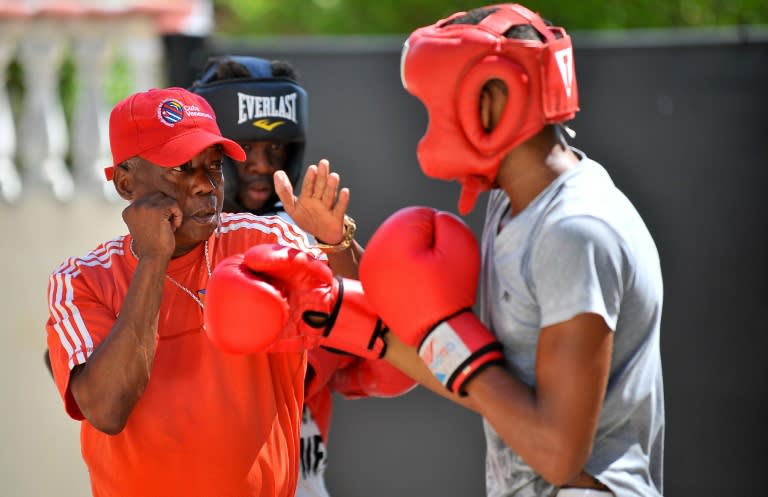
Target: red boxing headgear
<point>446,65</point>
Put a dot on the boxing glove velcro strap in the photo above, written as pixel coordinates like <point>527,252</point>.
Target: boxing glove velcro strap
<point>458,348</point>
<point>351,326</point>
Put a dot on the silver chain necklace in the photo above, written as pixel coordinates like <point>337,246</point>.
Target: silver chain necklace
<point>172,280</point>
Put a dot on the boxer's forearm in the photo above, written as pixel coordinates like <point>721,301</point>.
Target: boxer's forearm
<point>345,263</point>
<point>108,385</point>
<point>407,360</point>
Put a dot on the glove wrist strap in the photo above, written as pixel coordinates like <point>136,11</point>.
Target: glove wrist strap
<point>352,327</point>
<point>458,348</point>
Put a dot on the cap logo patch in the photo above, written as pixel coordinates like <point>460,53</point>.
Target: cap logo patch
<point>170,112</point>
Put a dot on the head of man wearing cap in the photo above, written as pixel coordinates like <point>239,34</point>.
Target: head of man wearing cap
<point>167,142</point>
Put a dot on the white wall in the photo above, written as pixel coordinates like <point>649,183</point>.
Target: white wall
<point>39,443</point>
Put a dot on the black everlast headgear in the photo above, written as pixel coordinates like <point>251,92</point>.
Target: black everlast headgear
<point>259,107</point>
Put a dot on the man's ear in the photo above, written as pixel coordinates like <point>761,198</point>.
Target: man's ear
<point>485,108</point>
<point>493,98</point>
<point>123,180</point>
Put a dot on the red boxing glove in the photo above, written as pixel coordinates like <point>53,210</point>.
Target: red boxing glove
<point>322,366</point>
<point>243,313</point>
<point>325,310</point>
<point>371,378</point>
<point>419,271</point>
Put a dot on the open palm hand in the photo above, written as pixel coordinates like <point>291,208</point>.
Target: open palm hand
<point>320,207</point>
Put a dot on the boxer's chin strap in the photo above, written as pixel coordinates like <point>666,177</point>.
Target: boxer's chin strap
<point>561,131</point>
<point>471,187</point>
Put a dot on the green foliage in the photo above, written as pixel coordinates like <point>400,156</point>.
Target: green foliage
<point>338,17</point>
<point>15,86</point>
<point>118,84</point>
<point>68,83</point>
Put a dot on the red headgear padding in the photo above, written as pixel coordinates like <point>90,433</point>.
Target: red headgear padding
<point>446,65</point>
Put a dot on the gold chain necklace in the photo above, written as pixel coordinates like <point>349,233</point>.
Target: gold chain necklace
<point>172,280</point>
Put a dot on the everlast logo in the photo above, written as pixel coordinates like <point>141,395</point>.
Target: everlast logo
<point>252,107</point>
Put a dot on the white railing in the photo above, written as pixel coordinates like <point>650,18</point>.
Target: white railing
<point>53,200</point>
<point>39,147</point>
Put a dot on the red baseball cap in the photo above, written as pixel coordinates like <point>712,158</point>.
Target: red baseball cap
<point>167,127</point>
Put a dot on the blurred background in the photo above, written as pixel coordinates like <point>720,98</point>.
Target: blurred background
<point>674,104</point>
